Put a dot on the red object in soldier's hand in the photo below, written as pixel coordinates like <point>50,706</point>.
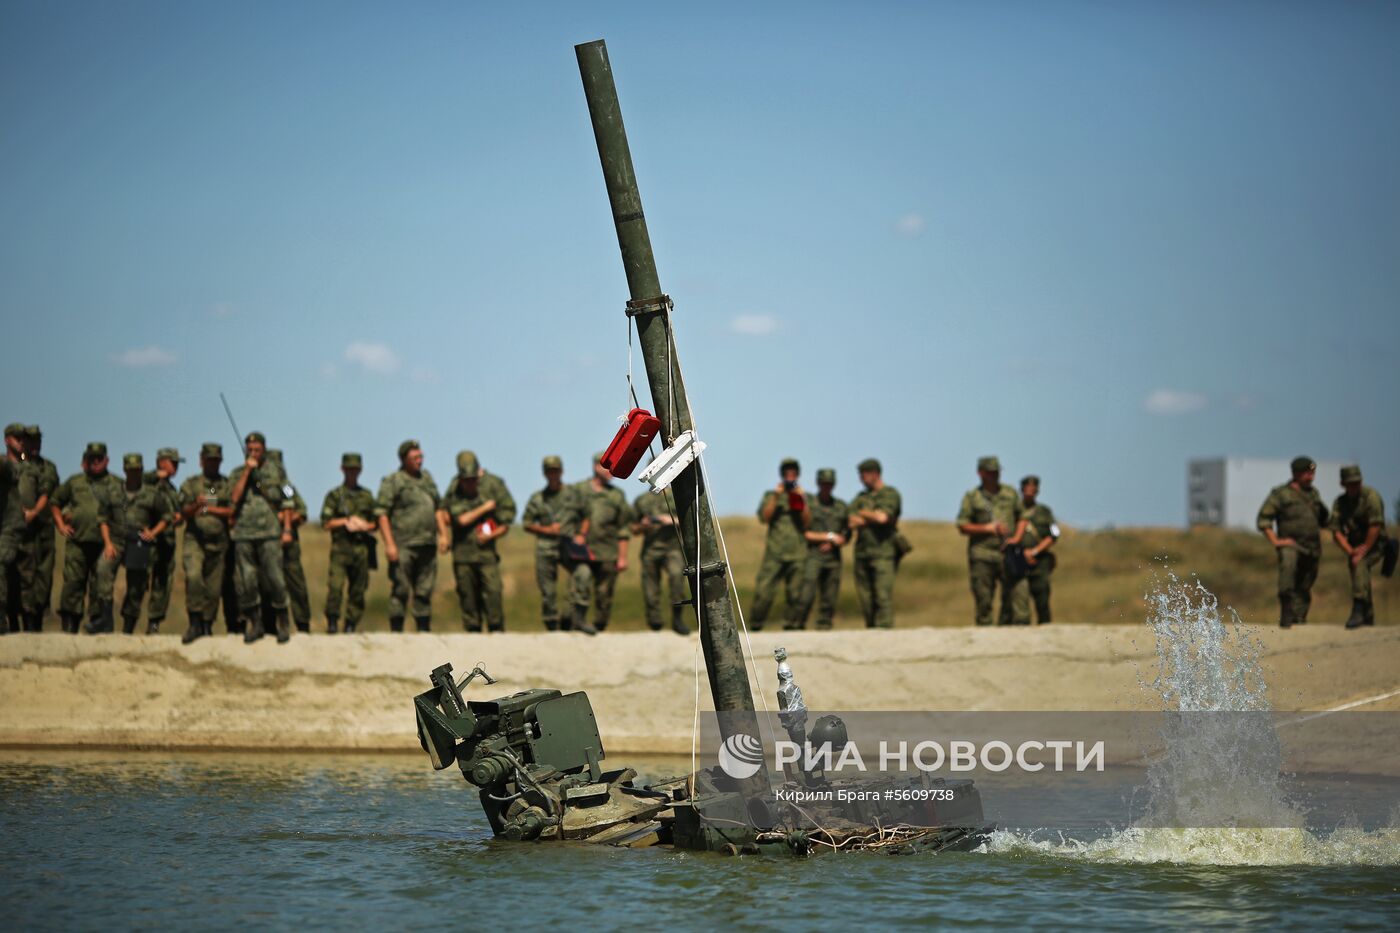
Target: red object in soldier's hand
<point>796,501</point>
<point>632,439</point>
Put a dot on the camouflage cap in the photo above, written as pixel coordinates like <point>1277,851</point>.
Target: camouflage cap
<point>826,475</point>
<point>95,449</point>
<point>789,463</point>
<point>211,449</point>
<point>1028,479</point>
<point>255,436</point>
<point>133,462</point>
<point>169,453</point>
<point>351,460</point>
<point>868,465</point>
<point>467,464</point>
<point>32,430</point>
<point>407,447</point>
<point>1351,474</point>
<point>989,464</point>
<point>1302,465</point>
<point>552,463</point>
<point>14,429</point>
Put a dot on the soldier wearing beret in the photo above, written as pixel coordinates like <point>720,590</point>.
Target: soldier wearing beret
<point>84,509</point>
<point>476,512</point>
<point>1358,527</point>
<point>662,555</point>
<point>406,509</point>
<point>206,503</point>
<point>783,510</point>
<point>826,535</point>
<point>348,514</point>
<point>1292,518</point>
<point>553,513</point>
<point>879,545</point>
<point>1041,534</point>
<point>43,539</point>
<point>261,528</point>
<point>993,519</point>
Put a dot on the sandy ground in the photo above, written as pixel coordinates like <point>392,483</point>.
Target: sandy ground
<point>341,693</point>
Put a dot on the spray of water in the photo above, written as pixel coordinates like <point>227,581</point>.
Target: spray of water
<point>1220,772</point>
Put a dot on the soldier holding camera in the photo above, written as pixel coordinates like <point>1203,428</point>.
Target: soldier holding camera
<point>784,510</point>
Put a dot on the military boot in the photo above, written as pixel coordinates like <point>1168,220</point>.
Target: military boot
<point>350,627</point>
<point>551,625</point>
<point>304,628</point>
<point>153,626</point>
<point>129,625</point>
<point>581,623</point>
<point>333,625</point>
<point>422,623</point>
<point>284,627</point>
<point>1285,612</point>
<point>678,621</point>
<point>100,623</point>
<point>253,628</point>
<point>33,622</point>
<point>68,623</point>
<point>396,623</point>
<point>1358,614</point>
<point>1370,613</point>
<point>196,629</point>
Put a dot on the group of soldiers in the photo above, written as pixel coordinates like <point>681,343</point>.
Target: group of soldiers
<point>1293,518</point>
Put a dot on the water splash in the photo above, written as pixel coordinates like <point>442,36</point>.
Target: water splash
<point>1222,772</point>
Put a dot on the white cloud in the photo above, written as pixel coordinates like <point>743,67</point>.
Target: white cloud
<point>754,325</point>
<point>372,357</point>
<point>144,356</point>
<point>910,225</point>
<point>1173,402</point>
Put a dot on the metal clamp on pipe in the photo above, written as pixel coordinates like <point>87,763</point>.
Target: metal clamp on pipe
<point>638,306</point>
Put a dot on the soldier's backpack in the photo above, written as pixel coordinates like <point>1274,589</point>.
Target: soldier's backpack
<point>1390,552</point>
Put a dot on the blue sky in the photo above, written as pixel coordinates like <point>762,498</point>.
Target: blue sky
<point>1096,239</point>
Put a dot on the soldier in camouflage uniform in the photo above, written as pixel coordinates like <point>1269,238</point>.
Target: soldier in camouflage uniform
<point>554,512</point>
<point>407,508</point>
<point>13,472</point>
<point>82,511</point>
<point>262,504</point>
<point>1358,527</point>
<point>348,514</point>
<point>1297,511</point>
<point>161,573</point>
<point>661,554</point>
<point>784,510</point>
<point>145,515</point>
<point>609,523</point>
<point>993,519</point>
<point>875,518</point>
<point>476,521</point>
<point>1041,534</point>
<point>206,502</point>
<point>293,572</point>
<point>43,537</point>
<point>827,534</point>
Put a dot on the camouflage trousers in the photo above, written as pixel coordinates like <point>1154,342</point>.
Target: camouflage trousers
<point>294,576</point>
<point>874,578</point>
<point>259,566</point>
<point>162,578</point>
<point>547,564</point>
<point>45,545</point>
<point>1038,582</point>
<point>1297,571</point>
<point>480,594</point>
<point>656,562</point>
<point>985,576</point>
<point>12,561</point>
<point>414,576</point>
<point>81,561</point>
<point>1361,572</point>
<point>821,584</point>
<point>349,571</point>
<point>771,572</point>
<point>594,581</point>
<point>204,577</point>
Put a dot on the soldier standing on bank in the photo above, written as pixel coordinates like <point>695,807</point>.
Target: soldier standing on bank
<point>146,515</point>
<point>261,529</point>
<point>41,529</point>
<point>293,571</point>
<point>162,570</point>
<point>606,533</point>
<point>406,508</point>
<point>1358,527</point>
<point>348,514</point>
<point>206,503</point>
<point>82,512</point>
<point>475,522</point>
<point>993,519</point>
<point>1292,518</point>
<point>553,513</point>
<point>661,555</point>
<point>784,510</point>
<point>879,545</point>
<point>14,472</point>
<point>1041,535</point>
<point>828,532</point>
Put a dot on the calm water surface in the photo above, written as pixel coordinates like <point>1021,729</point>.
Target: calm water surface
<point>217,841</point>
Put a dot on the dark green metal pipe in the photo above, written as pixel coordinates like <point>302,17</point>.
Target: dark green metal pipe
<point>719,636</point>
